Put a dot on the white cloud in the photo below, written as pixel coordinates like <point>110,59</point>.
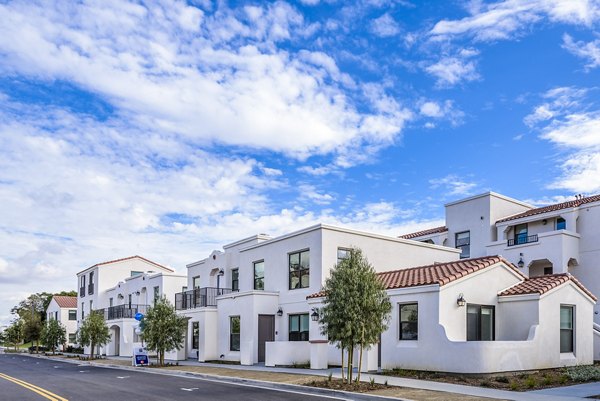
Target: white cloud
<point>431,109</point>
<point>385,26</point>
<point>451,70</point>
<point>505,19</point>
<point>568,122</point>
<point>589,51</point>
<point>311,193</point>
<point>218,78</point>
<point>454,185</point>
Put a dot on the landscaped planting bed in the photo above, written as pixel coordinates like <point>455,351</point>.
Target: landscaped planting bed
<point>515,381</point>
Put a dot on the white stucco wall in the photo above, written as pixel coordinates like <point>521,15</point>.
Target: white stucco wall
<point>63,317</point>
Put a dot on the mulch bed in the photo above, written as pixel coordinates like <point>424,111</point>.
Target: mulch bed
<point>338,384</point>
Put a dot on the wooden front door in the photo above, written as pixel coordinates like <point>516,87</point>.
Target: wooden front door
<point>266,332</point>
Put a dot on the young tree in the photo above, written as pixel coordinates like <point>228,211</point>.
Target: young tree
<point>356,307</point>
<point>32,312</point>
<point>93,332</point>
<point>53,334</point>
<point>14,333</point>
<point>164,330</point>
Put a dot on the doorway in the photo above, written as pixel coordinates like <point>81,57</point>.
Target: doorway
<point>266,332</point>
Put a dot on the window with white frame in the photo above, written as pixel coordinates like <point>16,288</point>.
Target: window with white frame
<point>342,254</point>
<point>463,242</point>
<point>409,321</point>
<point>235,279</point>
<point>234,333</point>
<point>259,275</point>
<point>567,329</point>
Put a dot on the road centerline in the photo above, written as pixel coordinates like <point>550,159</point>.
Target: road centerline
<point>32,387</point>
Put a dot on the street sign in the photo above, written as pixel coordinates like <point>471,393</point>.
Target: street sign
<point>140,356</point>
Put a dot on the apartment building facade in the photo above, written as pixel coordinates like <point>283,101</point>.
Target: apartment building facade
<point>254,302</point>
<point>64,309</point>
<point>121,288</point>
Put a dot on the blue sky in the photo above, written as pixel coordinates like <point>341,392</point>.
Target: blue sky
<point>167,129</point>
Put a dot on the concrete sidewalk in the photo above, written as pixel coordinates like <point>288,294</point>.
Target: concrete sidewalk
<point>580,390</point>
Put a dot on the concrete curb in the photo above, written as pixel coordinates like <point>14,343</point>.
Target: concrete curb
<point>295,388</point>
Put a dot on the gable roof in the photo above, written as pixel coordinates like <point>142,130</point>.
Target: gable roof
<point>65,301</point>
<point>542,284</point>
<point>129,258</point>
<point>552,208</point>
<point>429,231</point>
<point>439,273</point>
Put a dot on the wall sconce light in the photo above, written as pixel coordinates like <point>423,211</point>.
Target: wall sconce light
<point>521,262</point>
<point>221,272</point>
<point>120,296</point>
<point>461,300</point>
<point>137,293</point>
<point>314,315</point>
<point>280,312</point>
<point>544,222</point>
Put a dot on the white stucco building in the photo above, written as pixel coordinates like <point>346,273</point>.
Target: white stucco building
<point>558,238</point>
<point>252,303</point>
<point>120,289</point>
<point>64,309</point>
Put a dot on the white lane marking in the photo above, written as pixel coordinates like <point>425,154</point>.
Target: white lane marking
<point>189,389</point>
<point>122,377</point>
<point>56,367</point>
<point>83,371</point>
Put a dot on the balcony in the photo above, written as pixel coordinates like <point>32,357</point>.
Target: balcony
<point>522,239</point>
<point>126,311</point>
<point>91,289</point>
<point>199,297</point>
<point>82,291</point>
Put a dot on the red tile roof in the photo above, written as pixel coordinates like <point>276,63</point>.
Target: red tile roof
<point>65,302</point>
<point>435,230</point>
<point>552,208</point>
<point>129,258</point>
<point>542,284</point>
<point>439,273</point>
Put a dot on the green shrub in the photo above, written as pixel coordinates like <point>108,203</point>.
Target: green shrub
<point>583,373</point>
<point>514,386</point>
<point>502,379</point>
<point>530,382</point>
<point>485,383</point>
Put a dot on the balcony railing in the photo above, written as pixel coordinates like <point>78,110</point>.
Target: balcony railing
<point>90,288</point>
<point>522,239</point>
<point>82,291</point>
<point>199,297</point>
<point>126,311</point>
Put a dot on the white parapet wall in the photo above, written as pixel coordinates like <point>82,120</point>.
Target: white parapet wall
<point>287,353</point>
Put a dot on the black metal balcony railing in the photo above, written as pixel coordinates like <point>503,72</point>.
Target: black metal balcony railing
<point>199,297</point>
<point>522,239</point>
<point>82,291</point>
<point>90,289</point>
<point>126,311</point>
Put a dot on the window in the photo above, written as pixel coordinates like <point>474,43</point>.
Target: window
<point>298,327</point>
<point>195,335</point>
<point>259,275</point>
<point>409,322</point>
<point>480,323</point>
<point>134,273</point>
<point>82,287</point>
<point>547,270</point>
<point>72,338</point>
<point>196,282</point>
<point>521,234</point>
<point>156,293</point>
<point>91,306</point>
<point>82,312</point>
<point>235,279</point>
<point>561,224</point>
<point>566,328</point>
<point>56,315</point>
<point>110,302</point>
<point>463,242</point>
<point>342,254</point>
<point>428,241</point>
<point>184,288</point>
<point>299,270</point>
<point>129,301</point>
<point>234,333</point>
<point>73,314</point>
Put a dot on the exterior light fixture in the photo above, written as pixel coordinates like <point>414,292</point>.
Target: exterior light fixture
<point>280,312</point>
<point>461,300</point>
<point>521,262</point>
<point>219,274</point>
<point>315,315</point>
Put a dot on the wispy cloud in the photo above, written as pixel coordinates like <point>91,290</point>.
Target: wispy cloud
<point>589,51</point>
<point>385,26</point>
<point>572,124</point>
<point>453,185</point>
<point>505,19</point>
<point>451,70</point>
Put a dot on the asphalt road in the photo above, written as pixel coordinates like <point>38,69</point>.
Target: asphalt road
<point>73,382</point>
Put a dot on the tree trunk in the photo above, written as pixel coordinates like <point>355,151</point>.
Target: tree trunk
<point>92,350</point>
<point>360,358</point>
<point>350,362</point>
<point>342,363</point>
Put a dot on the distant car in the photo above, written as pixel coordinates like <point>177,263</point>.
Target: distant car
<point>40,349</point>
